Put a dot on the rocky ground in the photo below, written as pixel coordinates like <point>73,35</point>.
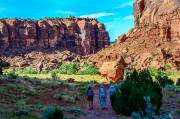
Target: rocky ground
<point>142,48</point>
<point>45,58</point>
<point>36,94</point>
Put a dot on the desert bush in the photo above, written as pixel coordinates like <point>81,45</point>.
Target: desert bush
<point>129,97</point>
<point>21,107</point>
<point>75,110</point>
<point>29,115</point>
<point>65,97</point>
<point>164,81</point>
<point>11,75</point>
<point>44,72</point>
<point>52,112</point>
<point>88,69</point>
<point>165,70</point>
<point>66,68</point>
<point>69,68</point>
<point>156,72</point>
<point>54,75</point>
<point>149,109</point>
<point>27,71</point>
<point>3,64</point>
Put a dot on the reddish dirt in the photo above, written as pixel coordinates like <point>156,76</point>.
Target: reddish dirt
<point>98,113</point>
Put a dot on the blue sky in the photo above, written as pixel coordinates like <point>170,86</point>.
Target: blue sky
<point>115,14</point>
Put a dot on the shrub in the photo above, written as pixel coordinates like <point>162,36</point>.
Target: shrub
<point>149,109</point>
<point>88,69</point>
<point>54,75</point>
<point>69,68</point>
<point>27,71</point>
<point>164,81</point>
<point>156,72</point>
<point>21,107</point>
<point>52,112</point>
<point>12,75</point>
<point>44,72</point>
<point>3,64</point>
<point>130,97</point>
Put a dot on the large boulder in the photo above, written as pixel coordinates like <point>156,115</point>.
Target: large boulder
<point>113,70</point>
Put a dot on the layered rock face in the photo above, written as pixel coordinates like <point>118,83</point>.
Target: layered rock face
<point>164,13</point>
<point>155,40</point>
<point>80,35</point>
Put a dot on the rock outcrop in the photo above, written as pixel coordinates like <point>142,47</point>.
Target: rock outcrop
<point>41,60</point>
<point>155,40</point>
<point>164,13</point>
<point>113,69</point>
<point>79,35</point>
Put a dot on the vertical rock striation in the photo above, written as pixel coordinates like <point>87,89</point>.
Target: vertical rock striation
<point>164,13</point>
<point>80,35</point>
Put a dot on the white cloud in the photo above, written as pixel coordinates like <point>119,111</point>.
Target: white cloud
<point>130,17</point>
<point>126,4</point>
<point>64,12</point>
<point>98,15</point>
<point>2,9</point>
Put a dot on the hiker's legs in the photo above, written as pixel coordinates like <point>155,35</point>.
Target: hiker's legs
<point>89,104</point>
<point>102,101</point>
<point>92,104</point>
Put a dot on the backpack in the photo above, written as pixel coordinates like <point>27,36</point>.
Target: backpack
<point>102,93</point>
<point>90,93</point>
<point>112,90</point>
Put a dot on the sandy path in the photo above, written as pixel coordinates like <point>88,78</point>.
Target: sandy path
<point>98,113</point>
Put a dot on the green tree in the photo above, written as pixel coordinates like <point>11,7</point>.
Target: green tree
<point>130,96</point>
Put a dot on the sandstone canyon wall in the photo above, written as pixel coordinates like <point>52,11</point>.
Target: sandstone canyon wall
<point>80,35</point>
<point>164,13</point>
<point>155,40</point>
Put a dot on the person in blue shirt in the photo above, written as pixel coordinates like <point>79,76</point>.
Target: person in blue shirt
<point>102,96</point>
<point>112,91</point>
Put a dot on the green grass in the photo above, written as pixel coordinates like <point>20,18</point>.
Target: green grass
<point>78,78</point>
<point>174,77</point>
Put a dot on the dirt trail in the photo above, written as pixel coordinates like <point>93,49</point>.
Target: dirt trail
<point>98,113</point>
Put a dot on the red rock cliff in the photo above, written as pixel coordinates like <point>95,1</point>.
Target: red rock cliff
<point>80,35</point>
<point>164,13</point>
<point>155,40</point>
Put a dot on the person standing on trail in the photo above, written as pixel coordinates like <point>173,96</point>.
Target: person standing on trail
<point>112,91</point>
<point>90,97</point>
<point>102,96</point>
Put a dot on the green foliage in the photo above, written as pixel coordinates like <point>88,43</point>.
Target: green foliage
<point>130,97</point>
<point>165,70</point>
<point>11,75</point>
<point>21,107</point>
<point>52,112</point>
<point>29,115</point>
<point>155,72</point>
<point>3,64</point>
<point>164,81</point>
<point>66,68</point>
<point>88,69</point>
<point>27,71</point>
<point>69,68</point>
<point>54,75</point>
<point>149,110</point>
